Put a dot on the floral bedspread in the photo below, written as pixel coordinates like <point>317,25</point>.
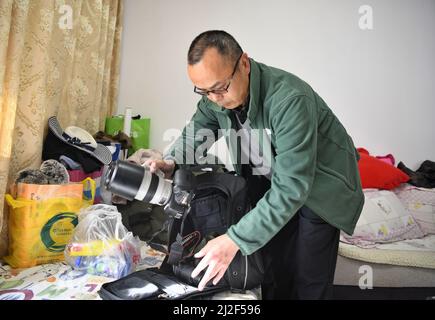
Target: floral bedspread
<point>58,281</point>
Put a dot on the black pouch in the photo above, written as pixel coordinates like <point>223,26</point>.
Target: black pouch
<point>156,284</point>
<point>207,213</point>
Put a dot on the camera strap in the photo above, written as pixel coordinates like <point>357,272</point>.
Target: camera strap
<point>178,250</point>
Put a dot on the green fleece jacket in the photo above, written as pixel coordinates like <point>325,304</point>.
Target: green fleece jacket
<point>314,160</point>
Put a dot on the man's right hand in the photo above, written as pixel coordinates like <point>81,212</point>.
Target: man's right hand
<point>166,166</point>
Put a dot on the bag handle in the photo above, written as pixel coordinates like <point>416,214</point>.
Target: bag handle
<point>17,203</point>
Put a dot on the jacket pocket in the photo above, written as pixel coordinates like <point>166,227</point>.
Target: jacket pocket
<point>336,175</point>
<point>337,159</point>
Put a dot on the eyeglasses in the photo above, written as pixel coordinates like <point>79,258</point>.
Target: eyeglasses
<point>224,90</point>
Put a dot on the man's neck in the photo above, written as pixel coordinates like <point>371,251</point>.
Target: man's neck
<point>245,104</point>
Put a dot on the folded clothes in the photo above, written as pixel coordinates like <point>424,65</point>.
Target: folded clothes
<point>423,177</point>
<point>70,163</point>
<point>427,167</point>
<point>121,137</point>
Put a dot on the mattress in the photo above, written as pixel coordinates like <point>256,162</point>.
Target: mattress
<point>408,263</point>
<point>412,253</point>
<point>349,272</point>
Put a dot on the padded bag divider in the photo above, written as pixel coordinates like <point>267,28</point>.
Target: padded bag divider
<point>153,284</point>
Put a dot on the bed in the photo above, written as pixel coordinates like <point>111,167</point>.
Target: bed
<point>393,244</point>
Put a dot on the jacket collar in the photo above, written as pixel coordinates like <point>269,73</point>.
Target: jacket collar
<point>254,90</point>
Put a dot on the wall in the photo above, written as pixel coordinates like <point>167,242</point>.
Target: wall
<point>379,82</point>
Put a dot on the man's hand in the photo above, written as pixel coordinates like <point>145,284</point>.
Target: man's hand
<point>217,255</point>
<point>166,166</point>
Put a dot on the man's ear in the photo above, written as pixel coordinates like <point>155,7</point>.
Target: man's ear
<point>245,63</point>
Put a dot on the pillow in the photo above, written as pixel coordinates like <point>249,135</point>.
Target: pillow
<point>383,219</point>
<point>420,202</point>
<point>377,174</point>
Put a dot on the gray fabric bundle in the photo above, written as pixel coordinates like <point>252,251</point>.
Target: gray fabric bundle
<point>50,172</point>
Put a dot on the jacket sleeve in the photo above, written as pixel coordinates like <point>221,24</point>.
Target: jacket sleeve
<point>197,136</point>
<point>294,125</point>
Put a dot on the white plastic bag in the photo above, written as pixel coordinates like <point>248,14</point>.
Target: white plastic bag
<point>101,245</point>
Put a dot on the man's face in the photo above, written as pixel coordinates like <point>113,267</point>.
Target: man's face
<point>215,72</point>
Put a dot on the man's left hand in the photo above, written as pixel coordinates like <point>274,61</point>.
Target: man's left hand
<point>217,255</point>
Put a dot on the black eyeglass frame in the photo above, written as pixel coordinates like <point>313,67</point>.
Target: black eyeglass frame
<point>219,91</point>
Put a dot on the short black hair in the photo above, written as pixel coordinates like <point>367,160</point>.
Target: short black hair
<point>225,44</point>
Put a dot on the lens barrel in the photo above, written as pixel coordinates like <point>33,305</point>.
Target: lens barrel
<point>132,181</point>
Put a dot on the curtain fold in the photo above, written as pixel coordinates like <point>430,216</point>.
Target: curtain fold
<point>57,57</point>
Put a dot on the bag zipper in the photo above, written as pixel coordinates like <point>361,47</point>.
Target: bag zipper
<point>246,273</point>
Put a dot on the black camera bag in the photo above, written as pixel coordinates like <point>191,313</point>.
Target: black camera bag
<point>214,200</point>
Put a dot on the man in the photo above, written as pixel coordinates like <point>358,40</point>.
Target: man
<point>314,189</point>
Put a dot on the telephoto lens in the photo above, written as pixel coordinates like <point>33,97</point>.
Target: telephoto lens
<point>132,181</point>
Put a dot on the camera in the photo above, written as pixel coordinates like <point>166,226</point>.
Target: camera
<point>134,182</point>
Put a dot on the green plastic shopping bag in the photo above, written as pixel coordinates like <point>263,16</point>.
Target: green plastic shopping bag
<point>140,131</point>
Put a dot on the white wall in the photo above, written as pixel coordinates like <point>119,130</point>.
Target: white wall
<point>380,82</point>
